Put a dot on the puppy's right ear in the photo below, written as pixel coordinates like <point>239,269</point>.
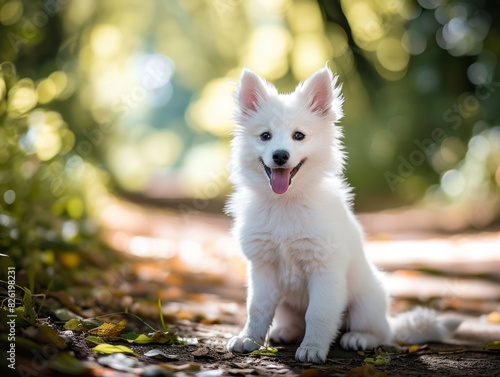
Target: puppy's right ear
<point>252,90</point>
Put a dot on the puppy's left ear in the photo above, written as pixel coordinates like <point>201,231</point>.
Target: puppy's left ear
<point>321,94</point>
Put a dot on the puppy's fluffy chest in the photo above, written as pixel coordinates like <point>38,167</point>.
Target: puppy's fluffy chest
<point>292,239</point>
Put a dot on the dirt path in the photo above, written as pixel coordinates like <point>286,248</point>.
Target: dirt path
<point>210,358</point>
<point>189,262</point>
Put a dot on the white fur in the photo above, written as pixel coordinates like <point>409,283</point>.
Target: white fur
<point>307,267</point>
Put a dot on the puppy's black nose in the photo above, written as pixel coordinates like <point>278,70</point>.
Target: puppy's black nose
<point>280,157</point>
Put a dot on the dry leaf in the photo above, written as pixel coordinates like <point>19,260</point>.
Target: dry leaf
<point>240,365</point>
<point>159,354</point>
<point>311,373</point>
<point>493,317</point>
<point>200,352</point>
<point>109,330</point>
<point>243,372</point>
<point>416,347</point>
<point>366,370</point>
<point>192,367</point>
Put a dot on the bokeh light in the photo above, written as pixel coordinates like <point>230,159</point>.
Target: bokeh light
<point>137,98</point>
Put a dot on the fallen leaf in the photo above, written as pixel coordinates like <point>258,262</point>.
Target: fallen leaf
<point>192,367</point>
<point>416,347</point>
<point>376,361</point>
<point>243,372</point>
<point>200,352</point>
<point>133,337</point>
<point>152,371</point>
<point>76,324</point>
<point>109,349</point>
<point>495,345</point>
<point>493,317</point>
<point>118,361</point>
<point>156,337</point>
<point>267,351</point>
<point>159,354</point>
<point>210,373</point>
<point>366,370</point>
<point>240,365</point>
<point>94,340</point>
<point>109,330</point>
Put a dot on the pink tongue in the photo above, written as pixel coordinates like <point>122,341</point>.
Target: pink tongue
<point>280,179</point>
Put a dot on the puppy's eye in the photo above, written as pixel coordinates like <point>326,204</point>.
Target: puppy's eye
<point>298,136</point>
<point>265,136</point>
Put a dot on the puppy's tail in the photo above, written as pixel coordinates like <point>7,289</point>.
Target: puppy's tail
<point>421,325</point>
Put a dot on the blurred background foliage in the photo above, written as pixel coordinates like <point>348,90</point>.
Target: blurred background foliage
<point>134,98</point>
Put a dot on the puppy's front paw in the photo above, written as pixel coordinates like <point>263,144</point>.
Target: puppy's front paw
<point>241,344</point>
<point>312,354</point>
<point>358,341</point>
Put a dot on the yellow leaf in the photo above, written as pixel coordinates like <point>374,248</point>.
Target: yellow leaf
<point>413,348</point>
<point>109,330</point>
<point>139,339</point>
<point>109,349</point>
<point>494,317</point>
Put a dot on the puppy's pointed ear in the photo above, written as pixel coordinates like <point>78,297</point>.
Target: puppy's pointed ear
<point>251,91</point>
<point>321,94</point>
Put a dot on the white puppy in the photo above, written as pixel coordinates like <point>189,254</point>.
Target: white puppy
<point>294,222</point>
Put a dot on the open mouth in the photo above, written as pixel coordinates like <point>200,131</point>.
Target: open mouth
<point>281,178</point>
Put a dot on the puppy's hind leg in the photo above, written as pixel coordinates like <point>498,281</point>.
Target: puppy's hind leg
<point>367,321</point>
<point>288,325</point>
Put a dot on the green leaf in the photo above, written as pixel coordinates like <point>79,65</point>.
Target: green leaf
<point>379,360</point>
<point>74,325</point>
<point>27,312</point>
<point>81,325</point>
<point>94,340</point>
<point>156,337</point>
<point>162,320</point>
<point>108,349</point>
<point>133,337</point>
<point>495,345</point>
<point>267,351</point>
